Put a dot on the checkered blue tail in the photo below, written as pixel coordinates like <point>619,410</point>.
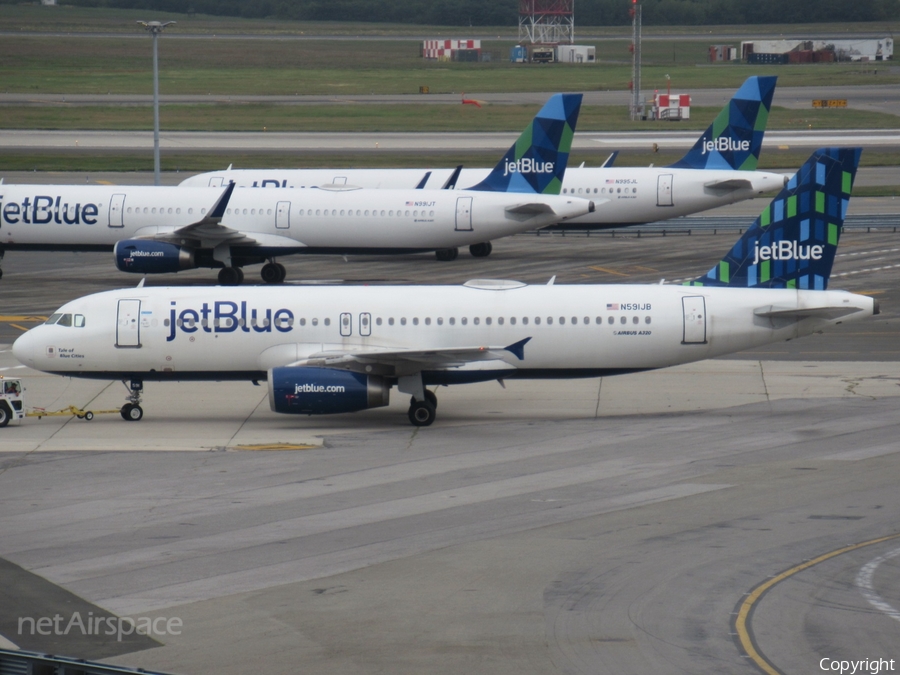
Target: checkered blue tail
<point>536,162</point>
<point>735,137</point>
<point>793,242</point>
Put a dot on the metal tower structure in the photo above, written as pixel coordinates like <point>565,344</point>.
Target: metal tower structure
<point>637,107</point>
<point>547,22</point>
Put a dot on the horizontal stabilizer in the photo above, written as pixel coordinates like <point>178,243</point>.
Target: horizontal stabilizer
<point>731,184</point>
<point>533,209</point>
<point>833,312</point>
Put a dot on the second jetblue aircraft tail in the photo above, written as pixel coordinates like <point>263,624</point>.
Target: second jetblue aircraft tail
<point>735,137</point>
<point>536,162</point>
<point>793,242</point>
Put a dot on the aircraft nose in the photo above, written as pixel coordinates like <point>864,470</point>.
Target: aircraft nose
<point>23,348</point>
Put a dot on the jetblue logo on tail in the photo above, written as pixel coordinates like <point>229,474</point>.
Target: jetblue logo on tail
<point>725,144</point>
<point>786,250</point>
<point>527,165</point>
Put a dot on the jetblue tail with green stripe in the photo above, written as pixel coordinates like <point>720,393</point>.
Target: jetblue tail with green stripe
<point>793,242</point>
<point>536,162</point>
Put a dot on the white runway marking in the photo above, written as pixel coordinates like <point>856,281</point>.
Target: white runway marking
<point>864,583</point>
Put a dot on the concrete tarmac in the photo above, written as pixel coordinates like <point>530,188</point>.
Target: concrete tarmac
<point>601,525</point>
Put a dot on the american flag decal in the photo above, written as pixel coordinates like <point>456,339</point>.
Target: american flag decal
<point>610,181</point>
<point>612,306</point>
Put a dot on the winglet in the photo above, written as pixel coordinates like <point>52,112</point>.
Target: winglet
<point>735,137</point>
<point>793,242</point>
<point>518,349</point>
<point>421,185</point>
<point>536,162</point>
<point>218,209</point>
<point>451,182</point>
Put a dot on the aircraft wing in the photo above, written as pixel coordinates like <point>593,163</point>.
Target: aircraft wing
<point>399,362</point>
<point>207,232</point>
<point>730,184</point>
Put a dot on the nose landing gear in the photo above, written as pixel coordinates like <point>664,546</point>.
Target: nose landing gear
<point>132,411</point>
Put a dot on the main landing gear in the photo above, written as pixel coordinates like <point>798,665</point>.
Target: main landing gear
<point>481,250</point>
<point>231,276</point>
<point>273,272</point>
<point>132,411</point>
<point>446,254</point>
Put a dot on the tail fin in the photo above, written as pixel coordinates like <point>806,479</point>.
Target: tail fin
<point>536,163</point>
<point>792,243</point>
<point>735,137</point>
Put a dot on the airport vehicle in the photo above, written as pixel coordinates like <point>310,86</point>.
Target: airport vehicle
<point>168,229</point>
<point>719,169</point>
<point>12,405</point>
<point>341,349</point>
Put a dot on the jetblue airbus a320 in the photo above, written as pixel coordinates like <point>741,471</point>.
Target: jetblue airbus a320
<point>341,349</point>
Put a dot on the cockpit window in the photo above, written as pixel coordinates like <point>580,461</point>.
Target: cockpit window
<point>65,320</point>
<point>52,320</point>
<point>79,321</point>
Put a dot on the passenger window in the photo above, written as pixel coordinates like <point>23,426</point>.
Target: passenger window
<point>302,322</point>
<point>599,320</point>
<point>391,321</point>
<point>524,320</point>
<point>623,320</point>
<point>537,321</point>
<point>499,320</point>
<point>512,320</point>
<point>611,321</point>
<point>378,321</point>
<point>440,321</point>
<point>403,321</point>
<point>415,321</point>
<point>476,320</point>
<point>327,322</point>
<point>315,322</point>
<point>635,320</point>
<point>549,320</point>
<point>647,320</point>
<point>464,321</point>
<point>587,320</point>
<point>79,321</point>
<point>427,320</point>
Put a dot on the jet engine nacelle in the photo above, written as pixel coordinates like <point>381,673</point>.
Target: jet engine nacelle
<point>321,391</point>
<point>144,256</point>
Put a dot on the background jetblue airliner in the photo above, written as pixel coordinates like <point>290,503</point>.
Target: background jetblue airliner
<point>168,229</point>
<point>341,349</point>
<point>719,169</point>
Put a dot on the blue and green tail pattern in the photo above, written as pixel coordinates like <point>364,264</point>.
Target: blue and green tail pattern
<point>536,163</point>
<point>734,139</point>
<point>793,242</point>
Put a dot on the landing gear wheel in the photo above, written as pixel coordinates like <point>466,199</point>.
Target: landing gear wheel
<point>131,412</point>
<point>421,413</point>
<point>5,415</point>
<point>429,396</point>
<point>481,250</point>
<point>273,273</point>
<point>231,276</point>
<point>446,254</point>
<point>88,415</point>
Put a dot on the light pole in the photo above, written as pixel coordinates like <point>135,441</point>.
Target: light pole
<point>155,28</point>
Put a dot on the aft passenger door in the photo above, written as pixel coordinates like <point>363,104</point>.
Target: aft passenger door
<point>283,215</point>
<point>664,190</point>
<point>116,209</point>
<point>694,307</point>
<point>464,214</point>
<point>128,327</point>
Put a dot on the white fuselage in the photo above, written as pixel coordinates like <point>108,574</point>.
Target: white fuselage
<point>636,194</point>
<point>217,333</point>
<point>97,216</point>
